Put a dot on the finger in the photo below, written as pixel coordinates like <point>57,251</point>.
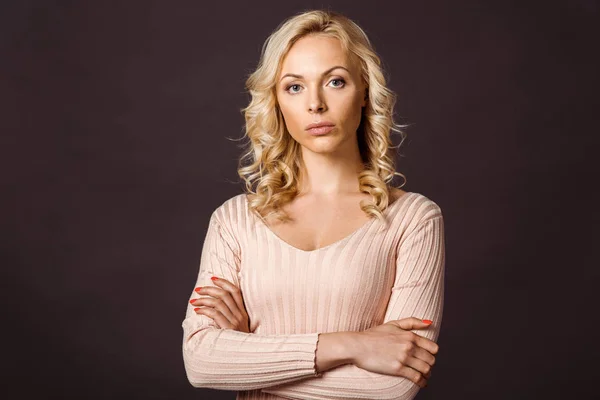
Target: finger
<point>424,355</point>
<point>420,341</point>
<point>224,296</point>
<point>427,375</point>
<point>412,375</point>
<point>216,316</point>
<point>411,323</point>
<point>427,344</point>
<point>419,365</point>
<point>216,304</point>
<point>236,294</point>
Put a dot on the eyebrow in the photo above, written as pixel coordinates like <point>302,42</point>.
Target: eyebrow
<point>323,74</point>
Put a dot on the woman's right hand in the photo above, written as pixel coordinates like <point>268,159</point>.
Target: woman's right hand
<point>392,349</point>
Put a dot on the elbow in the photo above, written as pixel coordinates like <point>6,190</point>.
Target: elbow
<point>203,369</point>
<point>195,361</point>
<point>406,391</point>
<point>395,388</point>
<point>201,374</point>
<point>196,371</point>
<point>198,381</point>
<point>195,375</point>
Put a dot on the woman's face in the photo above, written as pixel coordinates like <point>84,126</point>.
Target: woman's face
<point>319,82</point>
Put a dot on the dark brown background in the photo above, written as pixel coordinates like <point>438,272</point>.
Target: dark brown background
<point>115,117</point>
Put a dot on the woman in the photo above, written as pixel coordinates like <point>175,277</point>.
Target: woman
<point>322,281</point>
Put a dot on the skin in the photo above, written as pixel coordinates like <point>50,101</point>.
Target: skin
<point>224,305</point>
<point>328,207</point>
<point>332,161</point>
<point>310,89</point>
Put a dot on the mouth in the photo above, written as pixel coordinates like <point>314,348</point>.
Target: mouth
<point>320,128</point>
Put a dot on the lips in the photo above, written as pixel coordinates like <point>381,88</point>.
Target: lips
<point>321,124</point>
<point>320,130</point>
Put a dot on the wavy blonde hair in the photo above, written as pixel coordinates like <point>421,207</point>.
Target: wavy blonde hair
<point>274,158</point>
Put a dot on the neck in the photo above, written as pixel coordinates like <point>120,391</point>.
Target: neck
<point>330,174</point>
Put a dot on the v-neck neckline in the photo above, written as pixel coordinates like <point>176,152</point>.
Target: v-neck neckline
<point>337,242</point>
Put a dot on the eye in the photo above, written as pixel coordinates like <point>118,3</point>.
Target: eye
<point>291,87</point>
<point>340,81</point>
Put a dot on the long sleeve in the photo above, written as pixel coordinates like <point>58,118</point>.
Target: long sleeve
<point>418,291</point>
<point>231,360</point>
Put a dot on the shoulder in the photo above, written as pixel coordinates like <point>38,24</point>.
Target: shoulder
<point>425,216</point>
<point>230,212</point>
<point>412,210</point>
<point>422,208</point>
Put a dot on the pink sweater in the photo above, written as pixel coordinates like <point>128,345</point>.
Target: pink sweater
<point>374,275</point>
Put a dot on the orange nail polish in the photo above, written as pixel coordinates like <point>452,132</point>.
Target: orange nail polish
<point>192,301</point>
<point>196,309</point>
<point>198,289</point>
<point>428,322</point>
<point>214,278</point>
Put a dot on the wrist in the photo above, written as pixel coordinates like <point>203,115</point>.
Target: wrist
<point>351,345</point>
<point>334,349</point>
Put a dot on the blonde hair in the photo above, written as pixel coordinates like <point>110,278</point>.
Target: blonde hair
<point>271,176</point>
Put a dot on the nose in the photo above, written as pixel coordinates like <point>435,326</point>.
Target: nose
<point>316,102</point>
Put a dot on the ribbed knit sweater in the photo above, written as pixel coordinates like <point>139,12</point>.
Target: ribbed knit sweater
<point>376,274</point>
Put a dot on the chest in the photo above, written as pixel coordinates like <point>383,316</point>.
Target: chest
<point>345,286</point>
<point>315,225</point>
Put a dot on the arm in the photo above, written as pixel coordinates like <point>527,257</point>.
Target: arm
<point>231,360</point>
<point>418,291</point>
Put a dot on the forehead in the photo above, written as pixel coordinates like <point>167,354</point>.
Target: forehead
<point>314,54</point>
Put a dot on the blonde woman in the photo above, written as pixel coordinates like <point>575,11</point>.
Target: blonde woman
<point>322,281</point>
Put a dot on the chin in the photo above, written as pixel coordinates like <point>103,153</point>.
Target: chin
<point>322,145</point>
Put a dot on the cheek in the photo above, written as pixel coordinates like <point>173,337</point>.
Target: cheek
<point>290,117</point>
<point>288,112</point>
<point>352,112</point>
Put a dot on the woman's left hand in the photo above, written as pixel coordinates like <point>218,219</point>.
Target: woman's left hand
<point>225,305</point>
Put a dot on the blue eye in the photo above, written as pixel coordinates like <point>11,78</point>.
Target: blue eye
<point>291,86</point>
<point>290,89</point>
<point>342,82</point>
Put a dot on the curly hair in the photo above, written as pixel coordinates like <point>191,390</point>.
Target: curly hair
<point>271,163</point>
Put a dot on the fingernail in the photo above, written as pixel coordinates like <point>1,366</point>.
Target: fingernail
<point>198,289</point>
<point>192,301</point>
<point>214,278</point>
<point>428,322</point>
<point>196,309</point>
